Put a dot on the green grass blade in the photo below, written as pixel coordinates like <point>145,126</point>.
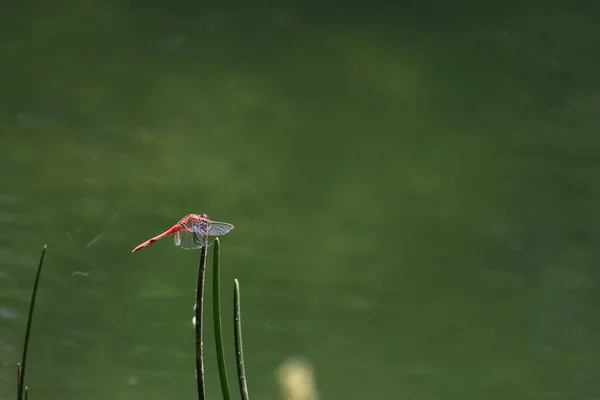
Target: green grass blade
<point>21,378</point>
<point>217,321</point>
<point>239,349</point>
<point>199,314</point>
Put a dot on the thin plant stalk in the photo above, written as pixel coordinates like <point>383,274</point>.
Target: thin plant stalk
<point>199,315</point>
<point>18,378</point>
<point>21,375</point>
<point>217,321</point>
<point>239,349</point>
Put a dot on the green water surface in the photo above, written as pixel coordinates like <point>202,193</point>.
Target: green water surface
<point>415,190</point>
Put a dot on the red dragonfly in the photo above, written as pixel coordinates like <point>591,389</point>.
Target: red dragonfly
<point>191,232</point>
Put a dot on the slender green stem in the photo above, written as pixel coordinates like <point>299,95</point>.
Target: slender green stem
<point>217,320</point>
<point>21,384</point>
<point>199,314</point>
<point>239,349</point>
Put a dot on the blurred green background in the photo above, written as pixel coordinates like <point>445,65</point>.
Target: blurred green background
<point>414,186</point>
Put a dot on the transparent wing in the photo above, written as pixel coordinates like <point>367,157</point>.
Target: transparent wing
<point>205,227</point>
<point>195,232</point>
<point>219,228</point>
<point>189,239</point>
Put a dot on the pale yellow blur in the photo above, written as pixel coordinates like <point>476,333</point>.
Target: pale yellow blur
<point>296,379</point>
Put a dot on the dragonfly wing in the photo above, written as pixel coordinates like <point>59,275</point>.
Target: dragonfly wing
<point>219,228</point>
<point>189,239</point>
